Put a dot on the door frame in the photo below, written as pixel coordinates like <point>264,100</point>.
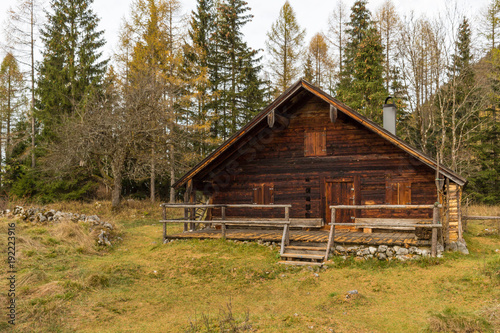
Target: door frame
<point>356,183</point>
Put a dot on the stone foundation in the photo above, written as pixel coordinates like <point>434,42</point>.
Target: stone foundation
<point>385,252</point>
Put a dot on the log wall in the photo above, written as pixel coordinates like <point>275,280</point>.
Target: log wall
<point>352,152</point>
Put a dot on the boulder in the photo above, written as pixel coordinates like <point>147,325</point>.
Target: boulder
<point>382,248</point>
<point>402,251</point>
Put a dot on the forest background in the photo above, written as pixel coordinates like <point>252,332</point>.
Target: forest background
<point>78,125</point>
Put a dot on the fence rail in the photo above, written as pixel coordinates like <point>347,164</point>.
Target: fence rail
<point>285,240</point>
<point>435,222</point>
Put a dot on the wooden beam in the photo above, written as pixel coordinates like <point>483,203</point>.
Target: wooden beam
<point>274,117</point>
<point>384,206</point>
<point>271,118</point>
<point>333,113</point>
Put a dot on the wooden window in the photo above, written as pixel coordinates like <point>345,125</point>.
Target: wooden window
<point>315,143</point>
<point>263,194</point>
<point>398,193</point>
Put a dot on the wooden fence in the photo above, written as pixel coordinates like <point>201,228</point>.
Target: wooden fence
<point>399,223</point>
<point>190,218</point>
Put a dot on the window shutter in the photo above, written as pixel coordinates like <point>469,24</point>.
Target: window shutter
<point>309,144</point>
<point>315,143</point>
<point>255,196</point>
<point>268,194</point>
<point>405,193</point>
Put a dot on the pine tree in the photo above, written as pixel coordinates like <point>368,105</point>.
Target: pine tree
<point>284,44</point>
<point>228,58</point>
<point>361,83</point>
<point>72,69</point>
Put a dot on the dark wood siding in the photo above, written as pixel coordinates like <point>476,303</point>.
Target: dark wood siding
<point>278,158</point>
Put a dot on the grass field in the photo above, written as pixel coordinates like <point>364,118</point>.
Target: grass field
<point>65,284</point>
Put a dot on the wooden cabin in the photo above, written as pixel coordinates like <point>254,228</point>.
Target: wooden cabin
<point>311,151</point>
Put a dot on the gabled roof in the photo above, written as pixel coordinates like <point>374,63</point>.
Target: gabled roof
<point>285,97</point>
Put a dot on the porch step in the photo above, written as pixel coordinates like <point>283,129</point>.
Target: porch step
<point>302,256</point>
<point>307,248</point>
<point>301,263</point>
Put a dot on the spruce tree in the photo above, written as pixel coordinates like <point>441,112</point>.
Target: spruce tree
<point>72,68</point>
<point>361,83</point>
<point>229,64</point>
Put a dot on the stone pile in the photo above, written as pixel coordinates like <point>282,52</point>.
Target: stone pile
<point>104,231</point>
<point>385,252</point>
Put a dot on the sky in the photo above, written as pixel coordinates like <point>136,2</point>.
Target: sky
<point>311,15</point>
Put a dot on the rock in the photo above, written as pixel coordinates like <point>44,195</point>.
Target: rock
<point>402,251</point>
<point>107,225</point>
<point>103,239</point>
<point>426,253</point>
<point>413,250</point>
<point>382,248</point>
<point>352,292</point>
<point>41,218</point>
<point>402,257</point>
<point>390,252</point>
<point>382,256</point>
<point>352,249</point>
<point>363,252</point>
<point>440,248</point>
<point>452,247</point>
<point>92,218</point>
<point>372,249</point>
<point>396,248</point>
<point>462,247</point>
<point>370,256</point>
<point>341,249</point>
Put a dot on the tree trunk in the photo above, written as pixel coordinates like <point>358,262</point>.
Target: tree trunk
<point>172,174</point>
<point>117,191</point>
<point>153,181</point>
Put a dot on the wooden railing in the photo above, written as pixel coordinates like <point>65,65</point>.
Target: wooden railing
<point>435,222</point>
<point>285,239</point>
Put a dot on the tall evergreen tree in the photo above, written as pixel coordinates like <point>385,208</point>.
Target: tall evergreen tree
<point>230,62</point>
<point>72,68</point>
<point>361,83</point>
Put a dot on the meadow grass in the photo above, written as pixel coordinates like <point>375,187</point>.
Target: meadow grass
<point>66,283</point>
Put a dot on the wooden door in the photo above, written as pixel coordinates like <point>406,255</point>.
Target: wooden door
<point>339,192</point>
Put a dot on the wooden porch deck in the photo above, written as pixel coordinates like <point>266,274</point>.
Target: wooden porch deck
<point>317,236</point>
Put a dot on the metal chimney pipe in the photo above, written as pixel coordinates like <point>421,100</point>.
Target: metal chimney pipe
<point>390,116</point>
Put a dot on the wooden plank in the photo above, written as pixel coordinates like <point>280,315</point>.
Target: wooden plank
<point>382,221</point>
<point>384,206</point>
<point>386,226</point>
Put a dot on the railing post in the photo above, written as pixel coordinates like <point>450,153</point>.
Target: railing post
<point>287,226</point>
<point>186,213</point>
<point>223,225</point>
<point>331,237</point>
<point>435,220</point>
<point>192,217</point>
<point>164,217</point>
